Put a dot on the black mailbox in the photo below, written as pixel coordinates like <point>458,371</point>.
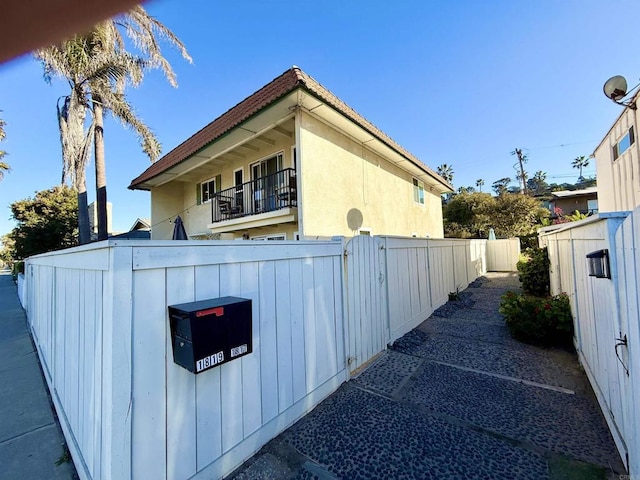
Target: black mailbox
<point>598,263</point>
<point>208,333</point>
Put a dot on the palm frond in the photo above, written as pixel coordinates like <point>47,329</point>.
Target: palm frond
<point>122,110</point>
<point>144,31</point>
<point>3,166</point>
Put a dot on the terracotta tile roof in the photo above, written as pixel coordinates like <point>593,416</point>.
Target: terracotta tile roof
<point>276,89</point>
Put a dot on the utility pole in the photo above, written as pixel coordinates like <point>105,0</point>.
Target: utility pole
<point>522,159</point>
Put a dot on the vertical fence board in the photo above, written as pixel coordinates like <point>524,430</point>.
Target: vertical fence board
<point>84,362</point>
<point>97,373</point>
<point>72,365</point>
<point>208,396</point>
<point>338,313</point>
<point>310,344</point>
<point>298,336</point>
<point>323,325</point>
<point>151,354</point>
<point>181,402</point>
<point>284,328</point>
<point>231,373</point>
<point>59,334</point>
<point>251,283</point>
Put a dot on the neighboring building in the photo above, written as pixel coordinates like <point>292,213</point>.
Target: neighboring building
<point>292,161</point>
<point>618,164</point>
<point>141,230</point>
<point>93,219</point>
<point>584,201</point>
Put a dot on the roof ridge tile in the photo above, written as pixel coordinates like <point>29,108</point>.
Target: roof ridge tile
<point>280,86</point>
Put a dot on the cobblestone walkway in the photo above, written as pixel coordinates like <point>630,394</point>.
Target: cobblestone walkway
<point>456,398</point>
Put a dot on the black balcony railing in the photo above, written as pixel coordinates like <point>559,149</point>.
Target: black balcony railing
<point>264,194</point>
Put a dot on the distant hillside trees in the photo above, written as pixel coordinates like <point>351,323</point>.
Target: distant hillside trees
<point>471,215</point>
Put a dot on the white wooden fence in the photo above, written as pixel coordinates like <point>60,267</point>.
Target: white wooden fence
<point>394,284</point>
<point>21,289</point>
<point>503,254</point>
<point>99,319</point>
<point>606,312</point>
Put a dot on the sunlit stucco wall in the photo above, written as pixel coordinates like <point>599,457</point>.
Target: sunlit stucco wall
<point>340,175</point>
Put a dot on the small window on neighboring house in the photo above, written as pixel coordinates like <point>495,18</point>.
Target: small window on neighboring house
<point>365,231</point>
<point>418,191</point>
<point>624,143</point>
<point>207,189</point>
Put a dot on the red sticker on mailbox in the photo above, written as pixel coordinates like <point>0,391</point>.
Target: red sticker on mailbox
<point>218,311</point>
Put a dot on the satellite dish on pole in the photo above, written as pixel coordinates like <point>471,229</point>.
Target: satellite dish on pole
<point>615,88</point>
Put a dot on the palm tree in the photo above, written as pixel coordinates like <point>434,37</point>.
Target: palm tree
<point>446,172</point>
<point>500,186</point>
<point>99,74</point>
<point>71,61</point>
<point>4,167</point>
<point>480,184</point>
<point>143,31</point>
<point>580,163</point>
<point>75,61</point>
<point>538,182</point>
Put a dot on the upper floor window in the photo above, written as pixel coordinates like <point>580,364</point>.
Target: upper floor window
<point>624,143</point>
<point>207,190</point>
<point>418,191</point>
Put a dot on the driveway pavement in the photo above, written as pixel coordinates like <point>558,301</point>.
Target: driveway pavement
<point>456,398</point>
<point>31,441</point>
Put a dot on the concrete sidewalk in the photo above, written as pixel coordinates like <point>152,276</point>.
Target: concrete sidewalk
<point>31,441</point>
<point>456,398</point>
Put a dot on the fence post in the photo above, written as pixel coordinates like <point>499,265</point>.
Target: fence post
<point>385,294</point>
<point>116,364</point>
<point>428,253</point>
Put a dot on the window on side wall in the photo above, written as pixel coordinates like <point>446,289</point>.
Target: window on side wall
<point>624,143</point>
<point>207,190</point>
<point>418,191</point>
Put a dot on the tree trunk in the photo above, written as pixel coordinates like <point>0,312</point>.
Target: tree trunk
<point>101,174</point>
<point>84,233</point>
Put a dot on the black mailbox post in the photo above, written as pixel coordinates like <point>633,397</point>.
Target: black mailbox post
<point>208,333</point>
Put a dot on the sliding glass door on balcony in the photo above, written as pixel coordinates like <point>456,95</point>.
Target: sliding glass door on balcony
<point>266,183</point>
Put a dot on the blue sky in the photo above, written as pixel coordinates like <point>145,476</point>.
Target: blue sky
<point>456,82</point>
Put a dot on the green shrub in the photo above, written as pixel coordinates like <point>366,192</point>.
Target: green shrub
<point>16,268</point>
<point>533,270</point>
<point>540,321</point>
<point>528,241</point>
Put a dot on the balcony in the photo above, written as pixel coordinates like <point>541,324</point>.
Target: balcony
<point>263,195</point>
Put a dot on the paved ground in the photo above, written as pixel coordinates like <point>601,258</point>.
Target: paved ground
<point>456,398</point>
<point>31,441</point>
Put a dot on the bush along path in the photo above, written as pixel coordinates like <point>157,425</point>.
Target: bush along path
<point>455,398</point>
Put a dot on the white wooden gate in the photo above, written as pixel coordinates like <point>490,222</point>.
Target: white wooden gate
<point>503,255</point>
<point>368,320</point>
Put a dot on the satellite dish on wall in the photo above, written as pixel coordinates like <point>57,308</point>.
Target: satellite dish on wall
<point>615,88</point>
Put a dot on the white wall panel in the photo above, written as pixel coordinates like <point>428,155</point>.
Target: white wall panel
<point>604,311</point>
